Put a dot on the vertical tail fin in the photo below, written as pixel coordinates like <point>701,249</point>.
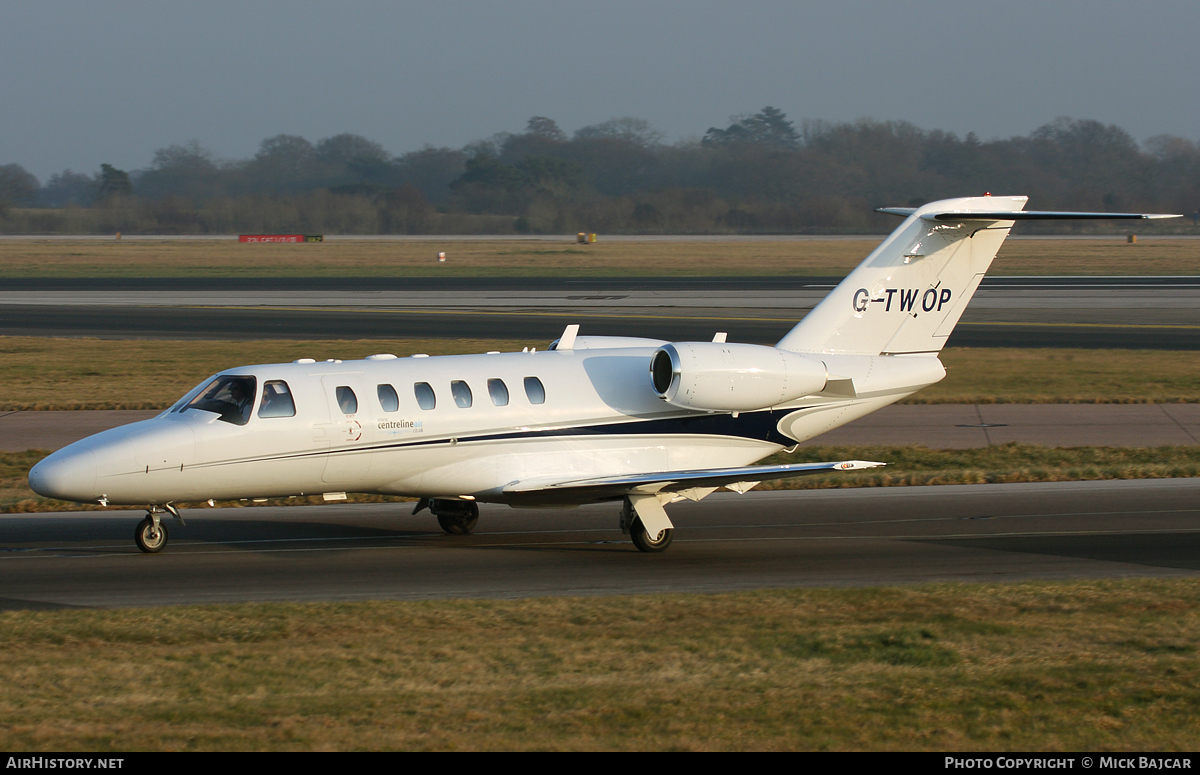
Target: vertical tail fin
<point>907,296</point>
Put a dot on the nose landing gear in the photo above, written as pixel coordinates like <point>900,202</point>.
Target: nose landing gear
<point>151,534</point>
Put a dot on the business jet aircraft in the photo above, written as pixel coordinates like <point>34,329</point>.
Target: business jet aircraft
<point>642,422</point>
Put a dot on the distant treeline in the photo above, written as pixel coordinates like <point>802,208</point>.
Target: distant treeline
<point>758,175</point>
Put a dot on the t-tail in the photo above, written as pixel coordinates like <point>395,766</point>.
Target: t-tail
<point>908,295</point>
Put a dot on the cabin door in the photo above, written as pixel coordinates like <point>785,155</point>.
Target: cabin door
<point>350,420</point>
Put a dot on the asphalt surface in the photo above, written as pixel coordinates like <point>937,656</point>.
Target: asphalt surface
<point>1136,313</point>
<point>726,542</point>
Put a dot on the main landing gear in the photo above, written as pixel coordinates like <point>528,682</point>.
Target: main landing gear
<point>151,533</point>
<point>647,543</point>
<point>456,517</point>
<point>631,523</point>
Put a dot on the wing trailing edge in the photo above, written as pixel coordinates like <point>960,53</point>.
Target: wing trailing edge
<point>606,487</point>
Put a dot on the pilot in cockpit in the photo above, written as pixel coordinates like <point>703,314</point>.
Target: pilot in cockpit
<point>231,397</point>
<point>243,399</point>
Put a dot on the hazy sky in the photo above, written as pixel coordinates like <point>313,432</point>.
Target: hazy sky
<point>88,82</point>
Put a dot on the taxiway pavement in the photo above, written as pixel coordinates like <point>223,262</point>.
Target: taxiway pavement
<point>1137,312</point>
<point>895,535</point>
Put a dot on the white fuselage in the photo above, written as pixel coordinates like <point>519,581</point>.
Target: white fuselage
<point>600,416</point>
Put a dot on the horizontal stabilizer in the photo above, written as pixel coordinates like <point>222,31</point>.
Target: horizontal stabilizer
<point>601,487</point>
<point>1021,215</point>
<point>1041,215</point>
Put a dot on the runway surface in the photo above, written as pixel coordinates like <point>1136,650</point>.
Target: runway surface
<point>726,542</point>
<point>1141,312</point>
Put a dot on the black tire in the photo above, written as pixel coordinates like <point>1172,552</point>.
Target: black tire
<point>645,543</point>
<point>459,523</point>
<point>457,526</point>
<point>148,539</point>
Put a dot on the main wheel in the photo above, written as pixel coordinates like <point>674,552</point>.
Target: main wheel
<point>150,539</point>
<point>456,525</point>
<point>459,521</point>
<point>647,543</point>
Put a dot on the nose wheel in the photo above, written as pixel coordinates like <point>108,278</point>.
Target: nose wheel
<point>151,535</point>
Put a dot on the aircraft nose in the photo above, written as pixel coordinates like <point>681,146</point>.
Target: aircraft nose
<point>69,475</point>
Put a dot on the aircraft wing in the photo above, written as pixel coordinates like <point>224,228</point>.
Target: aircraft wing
<point>739,479</point>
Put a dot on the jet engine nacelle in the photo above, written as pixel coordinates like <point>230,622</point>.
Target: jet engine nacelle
<point>721,377</point>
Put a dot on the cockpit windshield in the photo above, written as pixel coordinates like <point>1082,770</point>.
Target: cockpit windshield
<point>230,396</point>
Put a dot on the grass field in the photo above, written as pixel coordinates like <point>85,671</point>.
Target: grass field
<point>1093,666</point>
<point>40,373</point>
<point>215,258</point>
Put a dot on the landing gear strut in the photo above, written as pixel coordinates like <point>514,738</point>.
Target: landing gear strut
<point>151,533</point>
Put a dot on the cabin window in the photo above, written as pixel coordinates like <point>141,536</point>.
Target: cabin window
<point>425,397</point>
<point>534,390</point>
<point>462,393</point>
<point>498,391</point>
<point>388,398</point>
<point>347,400</point>
<point>276,400</point>
<point>232,397</point>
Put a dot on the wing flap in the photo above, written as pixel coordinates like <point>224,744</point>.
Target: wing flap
<point>602,487</point>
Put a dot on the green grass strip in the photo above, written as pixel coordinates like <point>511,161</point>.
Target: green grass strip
<point>1081,666</point>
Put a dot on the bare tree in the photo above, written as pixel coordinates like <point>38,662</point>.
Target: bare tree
<point>69,188</point>
<point>629,129</point>
<point>18,186</point>
<point>113,183</point>
<point>546,129</point>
